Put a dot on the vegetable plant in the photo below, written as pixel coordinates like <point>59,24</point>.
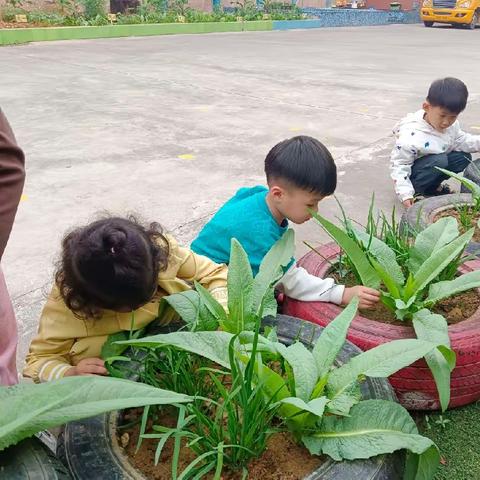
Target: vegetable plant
<point>253,378</point>
<point>411,292</point>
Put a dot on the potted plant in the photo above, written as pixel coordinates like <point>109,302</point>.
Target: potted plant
<point>251,380</point>
<point>414,276</point>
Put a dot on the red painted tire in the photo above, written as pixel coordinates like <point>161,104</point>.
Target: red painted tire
<point>413,385</point>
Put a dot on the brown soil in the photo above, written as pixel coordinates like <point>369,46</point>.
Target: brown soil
<point>282,460</point>
<point>455,309</point>
<point>452,212</point>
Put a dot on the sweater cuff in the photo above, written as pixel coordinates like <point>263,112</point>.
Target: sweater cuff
<point>52,370</point>
<point>336,294</point>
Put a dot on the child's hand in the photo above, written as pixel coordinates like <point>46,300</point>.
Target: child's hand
<point>87,366</point>
<point>408,202</point>
<point>368,297</point>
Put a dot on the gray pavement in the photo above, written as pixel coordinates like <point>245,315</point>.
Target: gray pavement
<point>170,127</point>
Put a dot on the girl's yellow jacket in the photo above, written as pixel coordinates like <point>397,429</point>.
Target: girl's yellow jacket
<point>63,339</point>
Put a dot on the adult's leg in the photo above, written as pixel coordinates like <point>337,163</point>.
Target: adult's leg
<point>8,337</point>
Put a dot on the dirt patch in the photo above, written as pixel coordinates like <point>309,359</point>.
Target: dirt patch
<point>453,212</point>
<point>455,309</point>
<point>283,459</point>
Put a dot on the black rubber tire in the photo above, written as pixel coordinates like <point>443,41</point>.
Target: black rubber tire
<point>423,213</point>
<point>90,448</point>
<point>31,460</point>
<point>472,172</point>
<point>428,24</point>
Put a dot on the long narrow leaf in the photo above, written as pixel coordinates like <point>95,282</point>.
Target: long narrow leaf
<point>433,327</point>
<point>271,270</point>
<point>356,255</point>
<point>383,254</point>
<point>434,265</point>
<point>430,240</point>
<point>211,345</point>
<point>32,408</point>
<point>381,361</point>
<point>448,288</point>
<point>332,338</point>
<point>240,280</point>
<point>471,185</point>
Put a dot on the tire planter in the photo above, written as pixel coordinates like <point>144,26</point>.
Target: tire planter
<point>472,172</point>
<point>91,450</point>
<point>423,213</point>
<point>31,460</point>
<point>414,385</point>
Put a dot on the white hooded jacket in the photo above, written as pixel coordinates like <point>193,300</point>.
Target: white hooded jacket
<point>416,138</point>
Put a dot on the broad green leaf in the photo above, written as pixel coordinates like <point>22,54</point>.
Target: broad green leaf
<point>240,281</point>
<point>110,348</point>
<point>271,271</point>
<point>422,467</point>
<point>211,303</point>
<point>315,406</point>
<point>32,408</point>
<point>211,345</point>
<point>384,255</point>
<point>393,288</point>
<point>469,184</point>
<point>435,264</point>
<point>333,337</point>
<point>342,403</point>
<point>356,255</point>
<point>304,368</point>
<point>439,291</point>
<point>430,240</point>
<point>381,361</point>
<point>373,428</point>
<point>433,327</point>
<point>186,304</point>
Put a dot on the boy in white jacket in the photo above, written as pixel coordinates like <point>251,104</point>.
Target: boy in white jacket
<point>300,173</point>
<point>431,138</point>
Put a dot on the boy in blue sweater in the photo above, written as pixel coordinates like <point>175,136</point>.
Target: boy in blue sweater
<point>300,173</point>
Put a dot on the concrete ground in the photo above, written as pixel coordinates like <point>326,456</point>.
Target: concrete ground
<point>170,127</point>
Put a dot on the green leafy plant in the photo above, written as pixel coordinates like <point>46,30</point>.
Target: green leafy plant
<point>32,408</point>
<point>319,402</point>
<point>93,9</point>
<point>467,213</point>
<point>412,294</point>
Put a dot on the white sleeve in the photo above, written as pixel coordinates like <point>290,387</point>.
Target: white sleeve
<point>298,284</point>
<point>401,161</point>
<point>466,142</point>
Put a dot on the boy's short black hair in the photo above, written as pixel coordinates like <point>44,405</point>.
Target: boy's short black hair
<point>449,93</point>
<point>305,163</point>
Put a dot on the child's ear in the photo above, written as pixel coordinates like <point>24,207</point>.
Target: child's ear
<point>276,192</point>
<point>426,105</point>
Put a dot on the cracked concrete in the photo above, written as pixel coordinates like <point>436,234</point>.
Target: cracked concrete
<point>104,124</point>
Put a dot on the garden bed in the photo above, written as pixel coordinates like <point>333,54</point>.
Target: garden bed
<point>467,217</point>
<point>270,466</point>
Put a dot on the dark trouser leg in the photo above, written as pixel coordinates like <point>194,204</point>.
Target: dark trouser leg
<point>425,177</point>
<point>458,161</point>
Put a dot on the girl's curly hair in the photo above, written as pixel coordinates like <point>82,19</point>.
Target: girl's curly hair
<point>112,263</point>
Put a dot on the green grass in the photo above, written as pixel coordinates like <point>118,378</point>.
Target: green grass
<point>458,441</point>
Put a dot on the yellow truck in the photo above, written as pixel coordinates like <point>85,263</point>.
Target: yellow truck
<point>456,12</point>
